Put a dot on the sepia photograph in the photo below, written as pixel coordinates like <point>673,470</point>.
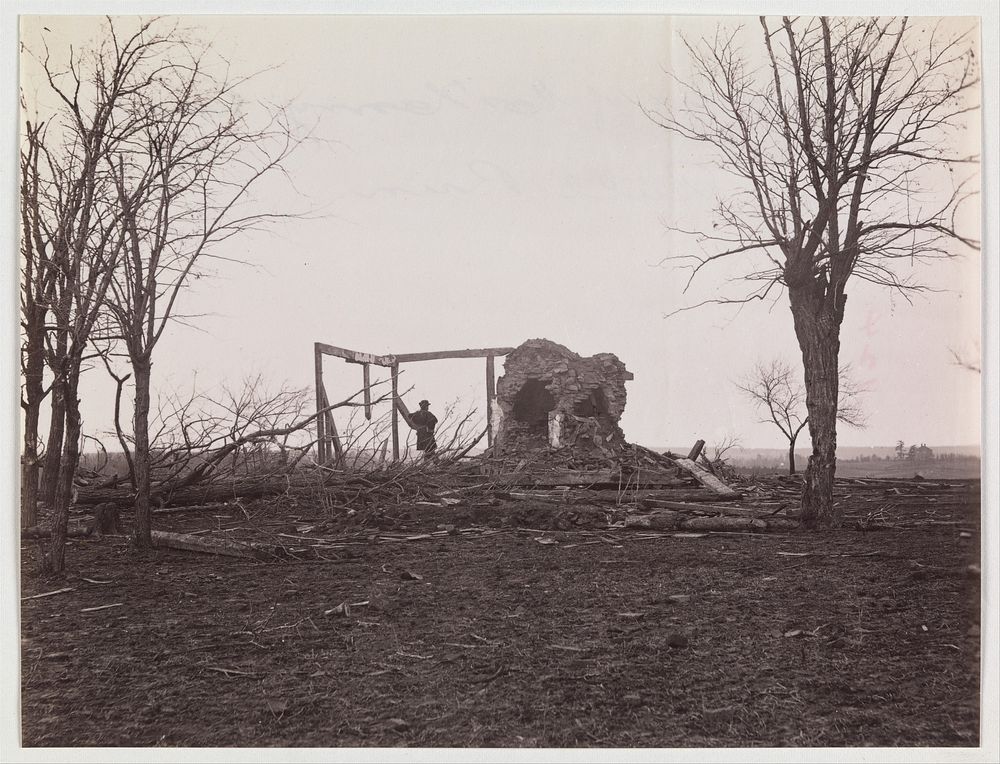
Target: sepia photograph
<point>507,382</point>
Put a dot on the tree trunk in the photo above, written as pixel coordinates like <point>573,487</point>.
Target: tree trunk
<point>817,328</point>
<point>29,468</point>
<point>54,443</point>
<point>791,456</point>
<point>140,426</point>
<point>34,363</point>
<point>69,461</point>
<point>57,422</point>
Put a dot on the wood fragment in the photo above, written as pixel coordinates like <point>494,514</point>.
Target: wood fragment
<point>43,532</point>
<point>229,671</point>
<point>49,594</point>
<point>696,449</point>
<point>191,543</point>
<point>215,506</point>
<point>706,478</point>
<point>101,607</point>
<point>445,354</point>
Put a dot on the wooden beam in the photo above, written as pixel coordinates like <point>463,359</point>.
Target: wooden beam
<point>366,374</point>
<point>696,450</point>
<point>225,547</point>
<point>491,394</point>
<point>706,478</point>
<point>395,413</point>
<point>403,410</point>
<point>338,447</point>
<point>320,435</point>
<point>332,435</point>
<point>609,477</point>
<point>354,356</point>
<point>444,354</point>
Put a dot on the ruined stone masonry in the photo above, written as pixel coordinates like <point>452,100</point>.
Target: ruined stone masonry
<point>550,396</point>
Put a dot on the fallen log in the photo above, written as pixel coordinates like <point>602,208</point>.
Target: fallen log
<point>43,532</point>
<point>663,521</point>
<point>664,494</point>
<point>225,547</point>
<point>218,492</point>
<point>723,523</point>
<point>721,509</point>
<point>706,478</point>
<point>220,507</point>
<point>677,521</point>
<point>590,479</point>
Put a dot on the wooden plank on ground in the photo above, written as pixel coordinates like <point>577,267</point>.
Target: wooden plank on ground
<point>224,547</point>
<point>602,478</point>
<point>706,478</point>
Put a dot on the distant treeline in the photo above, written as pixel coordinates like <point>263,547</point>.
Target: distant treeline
<point>945,457</point>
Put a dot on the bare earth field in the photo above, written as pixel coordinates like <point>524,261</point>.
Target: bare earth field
<point>483,635</point>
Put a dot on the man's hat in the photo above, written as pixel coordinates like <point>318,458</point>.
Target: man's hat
<point>425,403</point>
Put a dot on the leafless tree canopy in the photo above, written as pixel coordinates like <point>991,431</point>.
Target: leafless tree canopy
<point>777,392</point>
<point>138,162</point>
<point>837,146</point>
<point>841,145</point>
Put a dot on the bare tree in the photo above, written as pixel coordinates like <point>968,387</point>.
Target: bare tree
<point>183,186</point>
<point>840,146</point>
<point>776,390</point>
<point>71,221</point>
<point>38,282</point>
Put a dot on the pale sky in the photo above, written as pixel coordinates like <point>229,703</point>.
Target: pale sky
<point>486,180</point>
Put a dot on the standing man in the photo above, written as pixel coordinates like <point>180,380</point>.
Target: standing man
<point>424,422</point>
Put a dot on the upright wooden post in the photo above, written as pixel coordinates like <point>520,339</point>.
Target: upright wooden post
<point>491,393</point>
<point>395,413</point>
<point>366,371</point>
<point>320,434</point>
<point>696,450</point>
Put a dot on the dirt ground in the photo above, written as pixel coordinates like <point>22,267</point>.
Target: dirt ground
<point>496,634</point>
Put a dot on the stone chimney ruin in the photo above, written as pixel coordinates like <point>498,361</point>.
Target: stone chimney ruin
<point>551,397</point>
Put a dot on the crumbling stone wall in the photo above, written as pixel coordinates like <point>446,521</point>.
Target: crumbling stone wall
<point>550,396</point>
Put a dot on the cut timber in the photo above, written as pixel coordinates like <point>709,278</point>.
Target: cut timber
<point>661,521</point>
<point>661,494</point>
<point>366,376</point>
<point>354,356</point>
<point>670,521</point>
<point>44,532</point>
<point>645,478</point>
<point>189,543</point>
<point>569,477</point>
<point>215,507</point>
<point>684,506</point>
<point>443,354</point>
<point>603,478</point>
<point>723,523</point>
<point>403,411</point>
<point>706,478</point>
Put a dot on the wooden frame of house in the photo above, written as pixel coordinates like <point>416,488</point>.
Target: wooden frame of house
<point>329,444</point>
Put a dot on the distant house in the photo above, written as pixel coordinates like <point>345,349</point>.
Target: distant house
<point>921,453</point>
